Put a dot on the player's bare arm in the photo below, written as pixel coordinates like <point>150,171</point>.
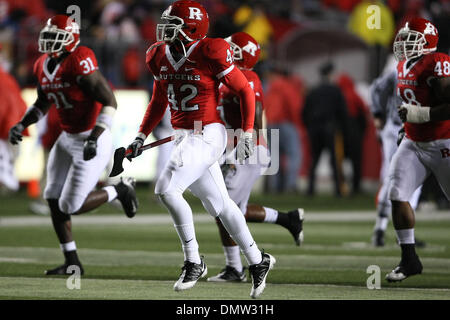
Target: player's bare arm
<point>258,116</point>
<point>33,114</point>
<point>441,88</point>
<point>96,86</point>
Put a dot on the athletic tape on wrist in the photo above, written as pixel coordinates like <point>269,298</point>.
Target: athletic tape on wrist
<point>105,117</point>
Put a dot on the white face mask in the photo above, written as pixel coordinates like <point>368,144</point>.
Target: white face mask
<point>408,45</point>
<point>53,40</point>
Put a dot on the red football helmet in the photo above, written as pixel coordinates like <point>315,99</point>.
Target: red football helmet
<point>186,19</point>
<point>60,34</point>
<point>245,48</point>
<point>419,36</point>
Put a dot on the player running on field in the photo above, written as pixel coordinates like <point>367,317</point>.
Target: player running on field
<point>240,178</point>
<point>188,68</point>
<point>68,77</point>
<point>424,86</point>
<point>384,108</point>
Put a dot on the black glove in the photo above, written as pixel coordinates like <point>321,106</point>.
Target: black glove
<point>90,149</point>
<point>15,133</point>
<point>400,135</point>
<point>134,146</point>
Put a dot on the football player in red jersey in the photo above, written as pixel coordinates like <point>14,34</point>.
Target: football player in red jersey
<point>188,68</point>
<point>240,178</point>
<point>68,77</point>
<point>424,86</point>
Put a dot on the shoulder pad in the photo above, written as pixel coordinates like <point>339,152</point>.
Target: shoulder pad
<point>82,52</point>
<point>151,51</point>
<point>214,47</point>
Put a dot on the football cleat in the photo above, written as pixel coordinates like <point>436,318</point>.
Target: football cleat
<point>229,274</point>
<point>259,273</point>
<point>296,218</point>
<point>190,273</point>
<point>378,238</point>
<point>126,194</point>
<point>63,270</point>
<point>405,270</point>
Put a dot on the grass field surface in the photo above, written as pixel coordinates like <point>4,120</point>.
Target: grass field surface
<point>141,258</point>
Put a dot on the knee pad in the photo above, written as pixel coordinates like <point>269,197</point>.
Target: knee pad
<point>53,191</point>
<point>70,206</point>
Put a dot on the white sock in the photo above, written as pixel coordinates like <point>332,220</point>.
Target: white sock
<point>233,257</point>
<point>68,246</point>
<point>186,233</point>
<point>271,215</point>
<point>381,223</point>
<point>405,236</point>
<point>112,193</point>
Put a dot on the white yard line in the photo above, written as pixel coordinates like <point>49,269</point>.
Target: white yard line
<point>299,285</point>
<point>164,218</point>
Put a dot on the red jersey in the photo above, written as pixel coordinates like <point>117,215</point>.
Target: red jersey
<point>230,101</point>
<point>12,106</point>
<point>77,112</point>
<point>414,87</point>
<point>190,86</point>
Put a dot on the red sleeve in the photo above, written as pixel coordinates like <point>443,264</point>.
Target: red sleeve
<point>155,110</point>
<point>150,55</point>
<point>220,57</point>
<point>237,82</point>
<point>84,61</point>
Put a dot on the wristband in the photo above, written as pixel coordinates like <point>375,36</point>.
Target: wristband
<point>105,117</point>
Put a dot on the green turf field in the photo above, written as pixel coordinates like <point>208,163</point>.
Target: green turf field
<point>140,258</point>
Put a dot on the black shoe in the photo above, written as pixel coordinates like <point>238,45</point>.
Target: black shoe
<point>229,274</point>
<point>405,269</point>
<point>378,238</point>
<point>65,269</point>
<point>295,227</point>
<point>190,273</point>
<point>126,194</point>
<point>259,272</point>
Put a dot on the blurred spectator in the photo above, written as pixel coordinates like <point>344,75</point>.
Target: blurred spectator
<point>441,18</point>
<point>253,20</point>
<point>325,116</point>
<point>282,102</point>
<point>374,22</point>
<point>356,127</point>
<point>12,108</point>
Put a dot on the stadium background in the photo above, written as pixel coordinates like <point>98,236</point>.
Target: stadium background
<point>296,36</point>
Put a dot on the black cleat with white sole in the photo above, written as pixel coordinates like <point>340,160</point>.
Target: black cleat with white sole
<point>126,194</point>
<point>296,218</point>
<point>229,274</point>
<point>405,270</point>
<point>65,269</point>
<point>190,273</point>
<point>259,272</point>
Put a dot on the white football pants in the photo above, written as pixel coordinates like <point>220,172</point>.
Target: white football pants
<point>413,162</point>
<point>194,164</point>
<point>240,179</point>
<point>69,178</point>
<point>389,139</point>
